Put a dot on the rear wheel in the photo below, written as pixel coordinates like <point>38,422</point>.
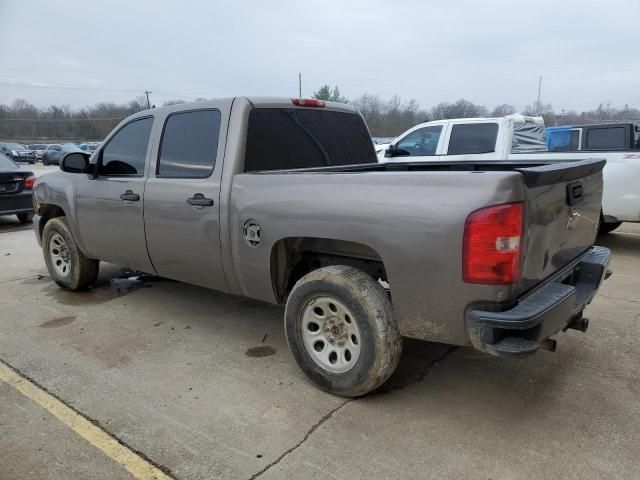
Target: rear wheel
<point>342,331</point>
<point>67,265</point>
<point>26,217</point>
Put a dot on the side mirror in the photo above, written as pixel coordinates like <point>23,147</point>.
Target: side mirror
<point>390,152</point>
<point>75,162</point>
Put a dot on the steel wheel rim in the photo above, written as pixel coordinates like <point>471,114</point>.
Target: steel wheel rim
<point>59,255</point>
<point>330,334</point>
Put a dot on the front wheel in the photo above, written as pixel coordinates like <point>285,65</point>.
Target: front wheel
<point>45,162</point>
<point>67,265</point>
<point>341,329</point>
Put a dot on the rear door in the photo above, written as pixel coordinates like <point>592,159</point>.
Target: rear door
<point>109,207</point>
<point>182,198</point>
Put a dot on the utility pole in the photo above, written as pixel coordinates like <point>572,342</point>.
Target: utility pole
<point>147,92</point>
<point>299,85</point>
<point>539,89</point>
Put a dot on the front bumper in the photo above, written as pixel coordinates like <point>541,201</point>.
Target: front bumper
<point>549,308</point>
<point>36,227</point>
<point>18,203</point>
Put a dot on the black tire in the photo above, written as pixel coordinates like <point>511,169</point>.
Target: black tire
<point>25,217</point>
<point>608,227</point>
<point>45,162</point>
<point>82,271</point>
<point>381,343</point>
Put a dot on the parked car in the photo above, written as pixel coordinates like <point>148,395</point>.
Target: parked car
<point>609,137</point>
<point>518,138</point>
<point>54,153</point>
<point>283,200</point>
<point>89,147</point>
<point>17,152</point>
<point>16,186</point>
<point>37,149</point>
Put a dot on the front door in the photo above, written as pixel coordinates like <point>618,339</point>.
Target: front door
<point>110,207</point>
<point>182,200</point>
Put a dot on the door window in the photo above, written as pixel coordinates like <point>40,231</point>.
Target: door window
<point>189,144</point>
<point>126,152</point>
<point>421,142</point>
<point>613,138</point>
<point>473,138</point>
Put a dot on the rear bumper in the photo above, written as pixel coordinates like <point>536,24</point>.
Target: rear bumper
<point>18,203</point>
<point>551,307</point>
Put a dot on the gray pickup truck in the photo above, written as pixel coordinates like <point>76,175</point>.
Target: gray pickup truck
<point>282,200</point>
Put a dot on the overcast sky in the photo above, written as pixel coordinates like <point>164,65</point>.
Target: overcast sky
<point>79,53</point>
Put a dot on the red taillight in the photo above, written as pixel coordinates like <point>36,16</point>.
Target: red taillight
<point>29,182</point>
<point>307,102</point>
<point>492,243</point>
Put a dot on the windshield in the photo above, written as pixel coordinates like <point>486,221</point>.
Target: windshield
<point>15,146</point>
<point>6,163</point>
<point>70,147</point>
<point>36,147</point>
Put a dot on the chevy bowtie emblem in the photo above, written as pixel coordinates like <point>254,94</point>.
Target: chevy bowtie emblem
<point>573,220</point>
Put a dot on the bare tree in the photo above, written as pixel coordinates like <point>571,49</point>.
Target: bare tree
<point>503,110</point>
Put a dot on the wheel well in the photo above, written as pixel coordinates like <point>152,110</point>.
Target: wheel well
<point>294,257</point>
<point>47,212</point>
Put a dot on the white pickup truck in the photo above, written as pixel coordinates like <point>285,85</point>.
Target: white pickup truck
<point>518,138</point>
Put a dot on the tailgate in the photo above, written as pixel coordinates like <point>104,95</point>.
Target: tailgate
<point>563,202</point>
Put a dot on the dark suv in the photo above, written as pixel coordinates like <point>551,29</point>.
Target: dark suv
<point>17,152</point>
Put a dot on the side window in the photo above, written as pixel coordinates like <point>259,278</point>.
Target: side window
<point>422,142</point>
<point>189,144</point>
<point>613,138</point>
<point>473,138</point>
<point>564,140</point>
<point>126,152</point>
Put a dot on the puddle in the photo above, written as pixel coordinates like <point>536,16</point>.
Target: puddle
<point>57,322</point>
<point>104,290</point>
<point>263,351</point>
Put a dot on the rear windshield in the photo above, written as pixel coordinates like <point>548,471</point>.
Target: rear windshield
<point>290,138</point>
<point>6,163</point>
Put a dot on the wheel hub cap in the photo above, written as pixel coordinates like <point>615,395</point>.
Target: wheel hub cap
<point>59,255</point>
<point>330,334</point>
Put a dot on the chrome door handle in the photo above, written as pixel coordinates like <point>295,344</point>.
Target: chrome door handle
<point>199,200</point>
<point>129,196</point>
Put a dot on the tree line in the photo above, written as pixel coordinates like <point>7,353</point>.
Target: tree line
<point>22,121</point>
<point>390,117</point>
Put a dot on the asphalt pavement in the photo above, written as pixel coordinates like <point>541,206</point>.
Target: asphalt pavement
<point>201,385</point>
